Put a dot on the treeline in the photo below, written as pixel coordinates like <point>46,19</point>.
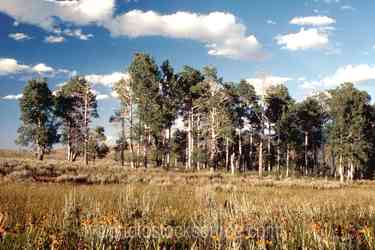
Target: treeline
<point>225,125</point>
<point>63,117</point>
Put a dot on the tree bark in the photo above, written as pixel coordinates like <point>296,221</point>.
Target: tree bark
<point>86,160</point>
<point>269,148</point>
<point>122,140</point>
<point>287,160</point>
<point>192,140</point>
<point>341,170</point>
<point>260,160</point>
<point>213,139</point>
<point>306,144</point>
<point>232,164</point>
<point>351,170</point>
<point>169,148</point>
<point>68,151</point>
<point>198,144</point>
<point>278,152</point>
<point>226,153</point>
<point>131,135</point>
<point>68,147</point>
<point>39,149</point>
<point>140,141</point>
<point>251,150</point>
<point>74,157</point>
<point>145,148</point>
<point>189,150</point>
<point>40,153</point>
<point>239,150</point>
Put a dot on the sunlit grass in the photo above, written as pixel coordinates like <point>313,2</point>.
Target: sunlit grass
<point>62,216</point>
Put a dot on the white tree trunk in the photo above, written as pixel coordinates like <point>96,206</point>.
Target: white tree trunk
<point>350,175</point>
<point>213,137</point>
<point>269,148</point>
<point>68,150</point>
<point>278,153</point>
<point>232,164</point>
<point>226,152</point>
<point>287,161</point>
<point>260,161</point>
<point>86,160</point>
<point>123,140</point>
<point>198,143</point>
<point>306,144</point>
<point>251,150</point>
<point>140,140</point>
<point>169,148</point>
<point>239,150</point>
<point>145,146</point>
<point>189,144</point>
<point>341,170</point>
<point>131,134</point>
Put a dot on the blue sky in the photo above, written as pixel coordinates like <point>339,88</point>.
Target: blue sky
<point>309,45</point>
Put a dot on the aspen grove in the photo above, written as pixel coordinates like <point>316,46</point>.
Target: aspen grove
<point>194,120</point>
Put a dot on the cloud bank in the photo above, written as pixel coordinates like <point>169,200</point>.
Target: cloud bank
<point>313,21</point>
<point>19,36</point>
<point>12,97</point>
<point>220,32</point>
<point>10,66</point>
<point>355,74</point>
<point>262,84</point>
<point>106,80</point>
<point>303,40</point>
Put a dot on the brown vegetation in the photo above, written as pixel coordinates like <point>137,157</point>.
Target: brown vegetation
<point>174,209</point>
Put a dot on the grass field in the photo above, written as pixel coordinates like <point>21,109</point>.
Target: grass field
<point>53,205</point>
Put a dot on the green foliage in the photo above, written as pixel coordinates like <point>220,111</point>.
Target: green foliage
<point>179,145</point>
<point>278,102</point>
<point>350,114</point>
<point>145,77</point>
<point>97,147</point>
<point>70,103</point>
<point>38,127</point>
<point>189,80</point>
<point>222,122</point>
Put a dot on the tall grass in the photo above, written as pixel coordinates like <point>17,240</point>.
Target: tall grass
<point>153,216</point>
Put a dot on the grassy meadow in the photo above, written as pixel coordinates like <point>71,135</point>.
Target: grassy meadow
<point>56,205</point>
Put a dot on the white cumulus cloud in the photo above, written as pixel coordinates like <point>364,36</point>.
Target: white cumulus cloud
<point>221,32</point>
<point>313,21</point>
<point>54,39</point>
<point>101,97</point>
<point>347,7</point>
<point>304,39</point>
<point>351,73</point>
<point>12,97</point>
<point>42,68</point>
<point>19,36</point>
<point>106,80</point>
<point>262,84</point>
<point>11,66</point>
<point>77,33</point>
<point>45,13</point>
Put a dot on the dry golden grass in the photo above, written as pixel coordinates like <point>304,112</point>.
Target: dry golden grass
<point>159,209</point>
